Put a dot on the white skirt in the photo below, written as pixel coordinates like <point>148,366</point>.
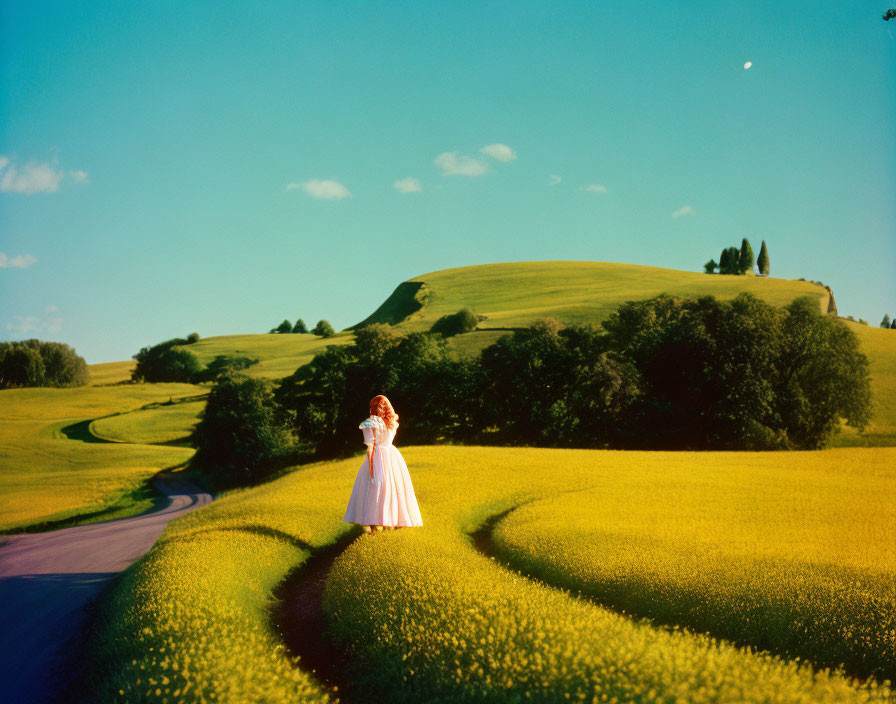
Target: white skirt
<point>388,498</point>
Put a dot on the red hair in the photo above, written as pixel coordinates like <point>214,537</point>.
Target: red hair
<point>380,406</point>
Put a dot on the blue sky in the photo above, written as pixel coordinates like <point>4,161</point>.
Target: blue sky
<point>173,167</point>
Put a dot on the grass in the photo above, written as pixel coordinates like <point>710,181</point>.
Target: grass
<point>48,479</point>
<point>164,423</point>
<point>426,617</point>
<point>279,354</point>
<point>517,293</point>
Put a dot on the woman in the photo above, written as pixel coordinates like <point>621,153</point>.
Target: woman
<point>383,494</point>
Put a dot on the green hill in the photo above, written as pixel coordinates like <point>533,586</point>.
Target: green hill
<point>517,293</point>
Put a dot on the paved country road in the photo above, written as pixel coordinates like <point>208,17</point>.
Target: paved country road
<point>48,579</point>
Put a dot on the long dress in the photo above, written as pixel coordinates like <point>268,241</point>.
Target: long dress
<point>387,498</point>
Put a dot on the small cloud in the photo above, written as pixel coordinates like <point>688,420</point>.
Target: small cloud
<point>50,309</point>
<point>31,323</point>
<point>554,180</point>
<point>594,188</point>
<point>34,177</point>
<point>684,210</point>
<point>499,152</point>
<point>322,189</point>
<point>453,164</point>
<point>30,178</point>
<point>408,185</point>
<point>20,261</point>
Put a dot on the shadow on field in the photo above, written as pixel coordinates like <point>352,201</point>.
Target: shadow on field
<point>300,619</point>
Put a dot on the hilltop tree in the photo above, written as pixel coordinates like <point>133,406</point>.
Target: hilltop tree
<point>283,327</point>
<point>710,266</point>
<point>745,258</point>
<point>324,329</point>
<point>300,326</point>
<point>762,262</point>
<point>885,323</point>
<point>893,324</point>
<point>728,262</point>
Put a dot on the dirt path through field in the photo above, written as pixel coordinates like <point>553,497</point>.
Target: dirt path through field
<point>47,580</point>
<point>302,623</point>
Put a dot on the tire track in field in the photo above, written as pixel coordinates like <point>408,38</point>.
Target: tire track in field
<point>483,541</point>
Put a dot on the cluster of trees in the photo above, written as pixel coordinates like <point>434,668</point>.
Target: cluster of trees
<point>665,373</point>
<point>164,363</point>
<point>740,261</point>
<point>38,363</point>
<point>322,329</point>
<point>887,323</point>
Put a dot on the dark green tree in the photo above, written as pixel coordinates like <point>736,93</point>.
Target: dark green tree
<point>282,328</point>
<point>300,326</point>
<point>239,437</point>
<point>893,324</point>
<point>889,15</point>
<point>885,323</point>
<point>762,262</point>
<point>728,262</point>
<point>745,259</point>
<point>323,329</point>
<point>164,362</point>
<point>193,337</point>
<point>710,267</point>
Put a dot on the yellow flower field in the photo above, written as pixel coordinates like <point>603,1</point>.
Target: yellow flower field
<point>426,617</point>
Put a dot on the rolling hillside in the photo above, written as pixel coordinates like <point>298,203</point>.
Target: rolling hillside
<point>517,293</point>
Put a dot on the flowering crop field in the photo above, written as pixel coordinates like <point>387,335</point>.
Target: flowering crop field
<point>425,616</point>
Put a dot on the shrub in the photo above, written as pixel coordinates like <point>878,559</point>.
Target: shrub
<point>323,329</point>
<point>239,439</point>
<point>38,363</point>
<point>465,320</point>
<point>193,337</point>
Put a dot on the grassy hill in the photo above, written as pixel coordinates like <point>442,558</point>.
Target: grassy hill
<point>515,294</point>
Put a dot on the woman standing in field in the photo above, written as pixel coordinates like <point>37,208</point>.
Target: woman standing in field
<point>383,494</point>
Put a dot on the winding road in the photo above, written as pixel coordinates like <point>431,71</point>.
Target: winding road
<point>47,581</point>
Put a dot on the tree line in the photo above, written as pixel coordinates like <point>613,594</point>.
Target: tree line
<point>665,373</point>
<point>740,261</point>
<point>322,329</point>
<point>39,363</point>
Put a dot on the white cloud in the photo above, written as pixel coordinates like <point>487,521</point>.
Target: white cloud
<point>408,185</point>
<point>35,177</point>
<point>322,189</point>
<point>31,323</point>
<point>594,188</point>
<point>453,164</point>
<point>555,179</point>
<point>20,261</point>
<point>499,152</point>
<point>684,210</point>
<point>31,178</point>
<point>50,309</point>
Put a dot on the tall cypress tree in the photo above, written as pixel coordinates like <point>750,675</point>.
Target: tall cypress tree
<point>762,261</point>
<point>885,323</point>
<point>724,262</point>
<point>745,259</point>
